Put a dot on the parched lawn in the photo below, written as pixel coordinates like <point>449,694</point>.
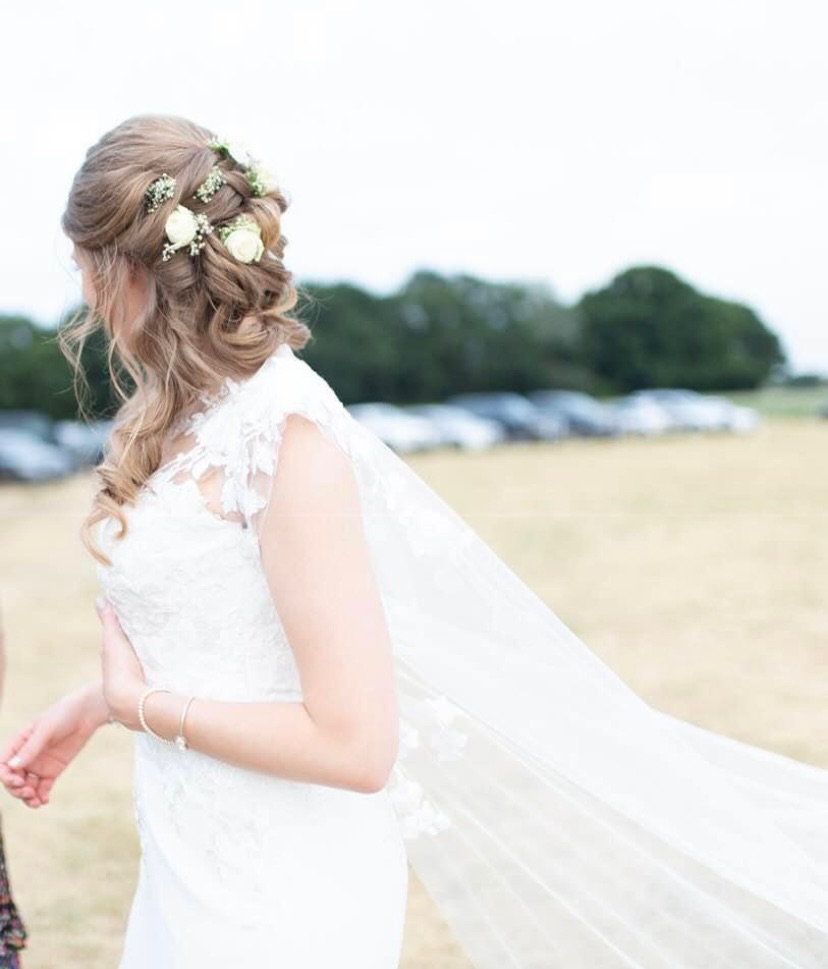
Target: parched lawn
<point>694,566</point>
<point>783,401</point>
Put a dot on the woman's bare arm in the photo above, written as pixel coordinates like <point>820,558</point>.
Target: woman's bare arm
<point>345,731</point>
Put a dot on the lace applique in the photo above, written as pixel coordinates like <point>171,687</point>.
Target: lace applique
<point>199,801</point>
<point>416,812</point>
<point>240,428</point>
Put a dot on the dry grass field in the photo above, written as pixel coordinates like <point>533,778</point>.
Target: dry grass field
<point>695,567</point>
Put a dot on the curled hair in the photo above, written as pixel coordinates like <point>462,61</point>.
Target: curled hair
<point>187,336</point>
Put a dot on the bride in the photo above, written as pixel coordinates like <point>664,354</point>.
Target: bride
<point>328,674</point>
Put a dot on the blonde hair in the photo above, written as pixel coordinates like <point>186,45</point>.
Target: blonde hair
<point>187,337</point>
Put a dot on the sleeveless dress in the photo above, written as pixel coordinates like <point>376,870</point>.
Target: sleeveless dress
<point>238,868</point>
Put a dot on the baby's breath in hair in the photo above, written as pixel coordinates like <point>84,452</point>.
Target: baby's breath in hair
<point>211,184</point>
<point>261,181</point>
<point>161,190</point>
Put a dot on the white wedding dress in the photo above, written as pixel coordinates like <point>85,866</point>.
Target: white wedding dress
<point>557,820</point>
<point>238,869</point>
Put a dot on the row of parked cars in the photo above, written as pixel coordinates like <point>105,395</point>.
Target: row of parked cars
<point>479,420</point>
<point>34,447</point>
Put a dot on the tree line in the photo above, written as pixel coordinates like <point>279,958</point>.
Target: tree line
<point>444,334</point>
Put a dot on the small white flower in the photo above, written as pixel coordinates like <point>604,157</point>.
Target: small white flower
<point>443,709</point>
<point>406,795</point>
<point>239,153</point>
<point>261,180</point>
<point>268,179</point>
<point>409,738</point>
<point>235,149</point>
<point>449,744</point>
<point>181,226</point>
<point>432,819</point>
<point>245,243</point>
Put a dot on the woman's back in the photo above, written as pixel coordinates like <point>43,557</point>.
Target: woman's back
<point>239,865</point>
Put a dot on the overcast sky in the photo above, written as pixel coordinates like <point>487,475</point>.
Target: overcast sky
<point>512,140</point>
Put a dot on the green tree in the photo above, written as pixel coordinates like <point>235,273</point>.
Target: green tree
<point>648,328</point>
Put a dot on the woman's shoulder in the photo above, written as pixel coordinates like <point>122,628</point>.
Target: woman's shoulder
<point>287,384</point>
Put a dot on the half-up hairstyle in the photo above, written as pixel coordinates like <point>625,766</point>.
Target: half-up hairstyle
<point>186,339</point>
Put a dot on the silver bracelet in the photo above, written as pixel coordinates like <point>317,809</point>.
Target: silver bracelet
<point>179,741</point>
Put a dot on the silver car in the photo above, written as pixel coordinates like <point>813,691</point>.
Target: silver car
<point>517,415</point>
<point>460,428</point>
<point>25,457</point>
<point>400,431</point>
<point>692,411</point>
<point>640,416</point>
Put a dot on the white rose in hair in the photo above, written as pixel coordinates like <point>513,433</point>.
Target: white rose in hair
<point>181,226</point>
<point>270,180</point>
<point>265,178</point>
<point>245,243</point>
<point>239,153</point>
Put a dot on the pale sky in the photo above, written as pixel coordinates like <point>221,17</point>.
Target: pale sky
<point>517,140</point>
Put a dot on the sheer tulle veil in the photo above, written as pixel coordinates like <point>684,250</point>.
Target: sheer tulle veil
<point>556,819</point>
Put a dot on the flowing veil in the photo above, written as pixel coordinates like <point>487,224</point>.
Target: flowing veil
<point>557,820</point>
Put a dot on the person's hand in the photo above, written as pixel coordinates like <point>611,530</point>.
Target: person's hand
<point>123,675</point>
<point>33,759</point>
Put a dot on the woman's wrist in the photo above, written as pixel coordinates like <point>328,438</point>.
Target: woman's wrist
<point>95,708</point>
<point>162,712</point>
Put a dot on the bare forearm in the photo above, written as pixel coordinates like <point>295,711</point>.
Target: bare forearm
<point>275,737</point>
<point>95,706</point>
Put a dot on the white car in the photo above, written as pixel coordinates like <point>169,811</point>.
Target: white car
<point>400,431</point>
<point>85,441</point>
<point>641,416</point>
<point>692,411</point>
<point>459,427</point>
<point>25,457</point>
<point>735,417</point>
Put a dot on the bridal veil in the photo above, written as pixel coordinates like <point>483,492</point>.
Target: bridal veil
<point>557,820</point>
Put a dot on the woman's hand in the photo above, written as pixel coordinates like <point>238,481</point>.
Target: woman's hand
<point>123,675</point>
<point>34,758</point>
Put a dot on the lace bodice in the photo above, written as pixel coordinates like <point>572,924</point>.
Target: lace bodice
<point>189,588</point>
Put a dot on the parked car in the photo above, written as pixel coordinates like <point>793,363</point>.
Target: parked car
<point>519,417</point>
<point>34,422</point>
<point>640,416</point>
<point>692,411</point>
<point>85,441</point>
<point>685,412</point>
<point>459,427</point>
<point>26,457</point>
<point>400,431</point>
<point>583,414</point>
<point>735,417</point>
